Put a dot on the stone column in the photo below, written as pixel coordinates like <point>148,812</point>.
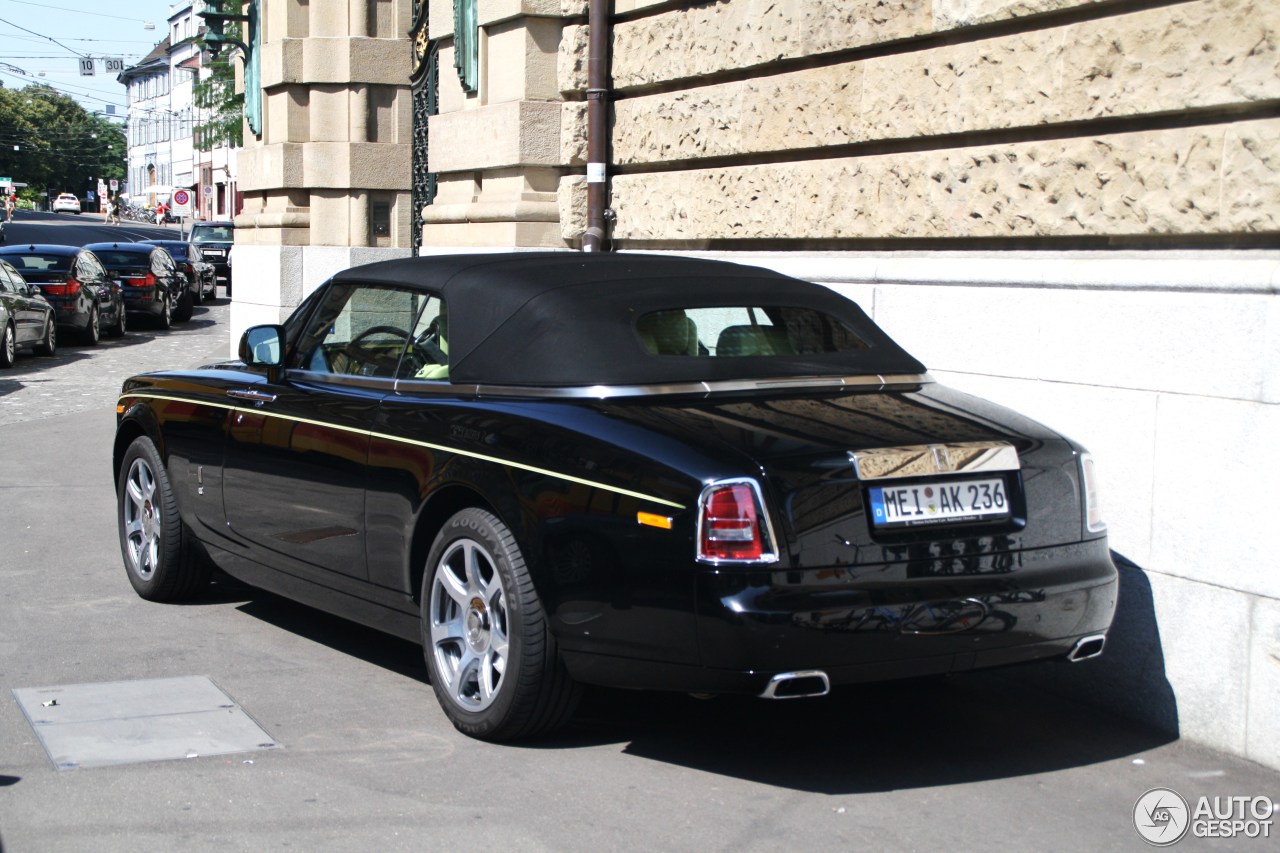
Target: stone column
<point>326,145</point>
<point>497,151</point>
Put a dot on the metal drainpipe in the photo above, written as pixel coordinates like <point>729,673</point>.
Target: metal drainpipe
<point>597,123</point>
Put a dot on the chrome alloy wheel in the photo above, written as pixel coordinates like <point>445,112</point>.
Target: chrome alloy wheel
<point>469,624</point>
<point>141,520</point>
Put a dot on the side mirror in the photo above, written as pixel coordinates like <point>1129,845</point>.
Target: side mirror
<point>263,346</point>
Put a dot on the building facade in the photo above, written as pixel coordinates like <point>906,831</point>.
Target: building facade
<point>162,120</point>
<point>1071,207</point>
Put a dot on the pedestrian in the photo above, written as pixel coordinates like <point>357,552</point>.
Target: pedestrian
<point>10,202</point>
<point>162,210</point>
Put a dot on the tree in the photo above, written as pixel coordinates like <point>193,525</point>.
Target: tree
<point>48,141</point>
<point>217,94</point>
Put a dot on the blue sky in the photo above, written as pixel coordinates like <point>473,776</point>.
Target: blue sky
<point>48,37</point>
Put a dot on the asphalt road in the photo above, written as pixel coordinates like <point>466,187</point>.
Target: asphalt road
<point>367,761</point>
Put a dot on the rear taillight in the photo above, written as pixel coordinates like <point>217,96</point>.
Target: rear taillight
<point>732,524</point>
<point>70,287</point>
<point>150,280</point>
<point>1092,502</point>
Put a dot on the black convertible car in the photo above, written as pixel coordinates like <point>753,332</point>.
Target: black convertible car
<point>625,470</point>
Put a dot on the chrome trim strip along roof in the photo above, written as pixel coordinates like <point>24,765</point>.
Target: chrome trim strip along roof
<point>605,392</point>
<point>558,475</point>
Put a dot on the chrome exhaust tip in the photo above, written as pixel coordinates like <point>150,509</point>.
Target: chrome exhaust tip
<point>797,685</point>
<point>1087,647</point>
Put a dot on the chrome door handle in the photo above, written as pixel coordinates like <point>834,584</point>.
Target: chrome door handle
<point>250,394</point>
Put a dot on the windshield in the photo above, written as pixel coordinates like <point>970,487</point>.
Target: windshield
<point>212,234</point>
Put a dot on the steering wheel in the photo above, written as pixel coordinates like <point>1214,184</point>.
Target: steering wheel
<point>379,330</point>
<point>356,350</point>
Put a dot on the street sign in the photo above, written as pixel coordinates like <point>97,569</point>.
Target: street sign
<point>115,185</point>
<point>113,63</point>
<point>86,66</point>
<point>181,203</point>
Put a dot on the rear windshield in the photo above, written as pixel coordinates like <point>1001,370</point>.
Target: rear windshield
<point>212,234</point>
<point>745,331</point>
<point>36,262</point>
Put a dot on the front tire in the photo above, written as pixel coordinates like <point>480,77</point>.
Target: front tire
<point>121,326</point>
<point>92,330</point>
<point>185,307</point>
<point>162,559</point>
<point>8,346</point>
<point>493,662</point>
<point>49,346</point>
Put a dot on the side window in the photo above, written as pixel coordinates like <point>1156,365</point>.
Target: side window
<point>6,283</point>
<point>363,330</point>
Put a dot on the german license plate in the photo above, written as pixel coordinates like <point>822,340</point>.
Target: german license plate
<point>939,500</point>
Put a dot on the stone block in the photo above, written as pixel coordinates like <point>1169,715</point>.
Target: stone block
<point>572,200</point>
<point>1118,427</point>
<point>497,136</point>
<point>523,57</point>
<point>1204,637</point>
<point>573,133</point>
<point>1172,181</point>
<point>951,14</point>
<point>440,20</point>
<point>1263,744</point>
<point>490,12</point>
<point>571,62</point>
<point>1196,55</point>
<point>707,38</point>
<point>1217,461</point>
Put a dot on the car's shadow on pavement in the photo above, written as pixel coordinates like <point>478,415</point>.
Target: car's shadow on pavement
<point>874,737</point>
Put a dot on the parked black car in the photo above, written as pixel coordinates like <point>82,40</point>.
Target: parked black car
<point>627,470</point>
<point>201,276</point>
<point>84,298</point>
<point>26,318</point>
<point>153,284</point>
<point>215,240</point>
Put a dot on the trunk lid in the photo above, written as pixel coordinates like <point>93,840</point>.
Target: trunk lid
<point>800,448</point>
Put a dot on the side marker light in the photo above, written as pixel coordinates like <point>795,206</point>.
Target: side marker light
<point>649,519</point>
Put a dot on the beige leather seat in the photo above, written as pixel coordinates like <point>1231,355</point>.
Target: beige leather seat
<point>669,333</point>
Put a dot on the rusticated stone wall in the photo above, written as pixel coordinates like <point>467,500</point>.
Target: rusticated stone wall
<point>950,120</point>
<point>1202,180</point>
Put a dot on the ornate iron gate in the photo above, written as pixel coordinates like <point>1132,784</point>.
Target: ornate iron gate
<point>425,82</point>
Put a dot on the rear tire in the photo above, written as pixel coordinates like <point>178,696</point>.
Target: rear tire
<point>494,665</point>
<point>161,557</point>
<point>166,314</point>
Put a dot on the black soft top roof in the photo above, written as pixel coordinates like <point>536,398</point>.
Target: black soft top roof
<point>568,319</point>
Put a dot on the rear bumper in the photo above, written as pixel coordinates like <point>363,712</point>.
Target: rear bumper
<point>877,623</point>
<point>68,312</point>
<point>143,300</point>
